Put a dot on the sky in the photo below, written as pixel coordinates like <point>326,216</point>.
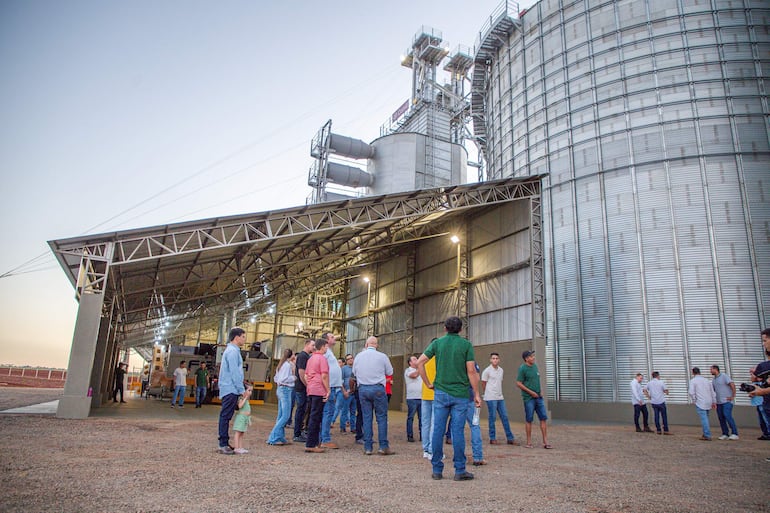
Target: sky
<point>118,115</point>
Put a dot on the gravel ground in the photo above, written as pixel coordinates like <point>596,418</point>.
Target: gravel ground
<point>144,456</point>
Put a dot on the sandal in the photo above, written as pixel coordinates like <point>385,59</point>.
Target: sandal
<point>547,446</point>
<point>528,446</point>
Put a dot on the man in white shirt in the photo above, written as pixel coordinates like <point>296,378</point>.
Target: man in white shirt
<point>637,399</point>
<point>180,384</point>
<point>492,388</point>
<point>702,394</point>
<point>657,392</point>
<point>413,397</point>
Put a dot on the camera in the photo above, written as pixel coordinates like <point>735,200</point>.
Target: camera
<point>745,387</point>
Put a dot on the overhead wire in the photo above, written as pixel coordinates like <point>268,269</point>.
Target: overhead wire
<point>23,268</point>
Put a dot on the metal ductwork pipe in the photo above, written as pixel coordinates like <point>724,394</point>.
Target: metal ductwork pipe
<point>349,147</point>
<point>348,175</point>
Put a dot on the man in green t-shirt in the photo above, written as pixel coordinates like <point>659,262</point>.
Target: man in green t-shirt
<point>455,375</point>
<point>528,380</point>
<point>201,384</point>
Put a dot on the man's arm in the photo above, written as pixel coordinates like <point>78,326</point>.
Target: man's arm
<point>325,381</point>
<point>473,377</point>
<point>732,387</point>
<point>421,361</point>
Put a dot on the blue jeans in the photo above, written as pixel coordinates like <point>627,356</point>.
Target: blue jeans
<point>413,406</point>
<point>445,405</point>
<point>200,395</point>
<point>179,392</point>
<point>476,445</point>
<point>641,408</point>
<point>660,411</point>
<point>329,406</point>
<point>764,421</point>
<point>725,415</point>
<point>374,399</point>
<point>284,394</point>
<point>229,402</point>
<point>426,426</point>
<point>704,421</point>
<point>347,409</point>
<point>498,407</point>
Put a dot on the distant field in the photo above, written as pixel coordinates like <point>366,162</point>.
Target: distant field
<point>33,378</point>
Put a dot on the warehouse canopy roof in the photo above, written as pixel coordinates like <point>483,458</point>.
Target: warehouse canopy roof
<point>187,274</point>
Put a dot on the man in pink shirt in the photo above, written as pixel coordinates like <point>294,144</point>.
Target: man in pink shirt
<point>318,389</point>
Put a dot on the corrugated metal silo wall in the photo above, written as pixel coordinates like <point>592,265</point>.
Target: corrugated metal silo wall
<point>651,117</point>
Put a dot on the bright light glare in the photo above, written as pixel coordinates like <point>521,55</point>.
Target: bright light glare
<point>366,279</point>
<point>455,239</point>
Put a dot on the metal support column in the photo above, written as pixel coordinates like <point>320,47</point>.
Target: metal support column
<point>91,287</point>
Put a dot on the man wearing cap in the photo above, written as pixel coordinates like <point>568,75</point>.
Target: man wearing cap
<point>528,380</point>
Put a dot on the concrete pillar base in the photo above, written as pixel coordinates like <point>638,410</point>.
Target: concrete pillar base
<point>73,407</point>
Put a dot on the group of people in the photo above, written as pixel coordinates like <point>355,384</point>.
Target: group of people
<point>715,394</point>
<point>444,387</point>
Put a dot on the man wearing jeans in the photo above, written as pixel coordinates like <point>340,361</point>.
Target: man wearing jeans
<point>702,394</point>
<point>180,384</point>
<point>724,389</point>
<point>370,368</point>
<point>455,373</point>
<point>657,392</point>
<point>413,397</point>
<point>492,387</point>
<point>230,385</point>
<point>335,382</point>
<point>528,381</point>
<point>201,384</point>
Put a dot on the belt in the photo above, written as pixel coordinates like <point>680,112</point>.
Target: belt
<point>287,386</point>
<point>335,388</point>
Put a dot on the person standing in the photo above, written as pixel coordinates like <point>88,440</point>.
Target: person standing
<point>426,408</point>
<point>528,381</point>
<point>413,397</point>
<point>657,392</point>
<point>335,387</point>
<point>477,446</point>
<point>230,385</point>
<point>300,392</point>
<point>455,373</point>
<point>242,420</point>
<point>285,379</point>
<point>201,384</point>
<point>724,389</point>
<point>762,369</point>
<point>370,368</point>
<point>318,389</point>
<point>120,377</point>
<point>492,388</point>
<point>702,394</point>
<point>180,384</point>
<point>346,400</point>
<point>757,401</point>
<point>637,399</point>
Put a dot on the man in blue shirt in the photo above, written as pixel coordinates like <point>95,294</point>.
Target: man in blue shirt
<point>230,385</point>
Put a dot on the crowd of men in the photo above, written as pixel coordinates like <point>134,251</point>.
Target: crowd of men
<point>444,390</point>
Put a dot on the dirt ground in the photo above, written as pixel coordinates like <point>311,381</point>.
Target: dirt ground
<point>146,457</point>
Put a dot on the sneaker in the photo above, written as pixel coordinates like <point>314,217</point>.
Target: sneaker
<point>733,437</point>
<point>173,406</point>
<point>225,450</point>
<point>463,476</point>
<point>723,437</point>
<point>427,455</point>
<point>764,437</point>
<point>368,452</point>
<point>439,477</point>
<point>181,406</point>
<point>241,450</point>
<point>410,439</point>
<point>360,441</point>
<point>299,439</point>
